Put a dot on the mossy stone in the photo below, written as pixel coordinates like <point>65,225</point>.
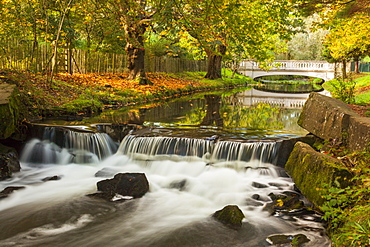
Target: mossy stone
<point>313,171</point>
<point>230,216</point>
<point>9,110</point>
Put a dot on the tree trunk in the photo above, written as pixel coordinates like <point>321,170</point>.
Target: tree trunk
<point>135,30</point>
<point>357,67</point>
<point>135,61</point>
<point>215,63</point>
<point>344,69</point>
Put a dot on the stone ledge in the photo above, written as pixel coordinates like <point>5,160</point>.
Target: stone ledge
<point>329,118</point>
<point>313,171</point>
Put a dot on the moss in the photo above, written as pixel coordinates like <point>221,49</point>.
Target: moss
<point>83,105</point>
<point>230,215</point>
<point>9,113</point>
<point>313,171</point>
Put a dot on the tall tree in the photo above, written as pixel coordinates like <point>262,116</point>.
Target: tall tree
<point>134,16</point>
<point>349,39</point>
<point>252,27</point>
<point>348,21</point>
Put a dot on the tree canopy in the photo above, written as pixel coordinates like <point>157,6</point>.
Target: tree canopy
<point>349,25</point>
<point>253,29</point>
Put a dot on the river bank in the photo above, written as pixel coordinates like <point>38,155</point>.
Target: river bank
<point>86,94</point>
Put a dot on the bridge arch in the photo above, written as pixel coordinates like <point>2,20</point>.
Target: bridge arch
<point>319,69</point>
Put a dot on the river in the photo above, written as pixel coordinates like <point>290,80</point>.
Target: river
<point>198,153</point>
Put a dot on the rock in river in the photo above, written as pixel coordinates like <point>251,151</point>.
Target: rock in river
<point>230,216</point>
<point>123,186</point>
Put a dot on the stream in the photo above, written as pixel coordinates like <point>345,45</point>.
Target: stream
<point>199,154</point>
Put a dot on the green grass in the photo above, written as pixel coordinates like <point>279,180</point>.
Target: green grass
<point>364,80</point>
<point>362,98</point>
<point>351,90</point>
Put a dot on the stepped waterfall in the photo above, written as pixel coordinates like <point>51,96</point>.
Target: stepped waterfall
<point>189,179</point>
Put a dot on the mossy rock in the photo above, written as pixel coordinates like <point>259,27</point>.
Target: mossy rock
<point>312,172</point>
<point>230,216</point>
<point>294,240</point>
<point>9,110</point>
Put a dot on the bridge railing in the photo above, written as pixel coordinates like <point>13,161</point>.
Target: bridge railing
<point>290,65</point>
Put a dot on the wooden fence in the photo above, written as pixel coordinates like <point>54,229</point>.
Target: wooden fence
<point>25,56</point>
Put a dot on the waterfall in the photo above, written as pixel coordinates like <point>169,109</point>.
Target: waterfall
<point>257,152</point>
<point>154,148</point>
<point>60,145</point>
<point>157,147</point>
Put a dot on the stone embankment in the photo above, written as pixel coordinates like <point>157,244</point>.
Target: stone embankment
<point>330,120</point>
<point>9,116</point>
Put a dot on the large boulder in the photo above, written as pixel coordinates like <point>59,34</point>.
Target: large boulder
<point>123,186</point>
<point>9,110</point>
<point>325,117</point>
<point>313,171</point>
<point>9,162</point>
<point>230,216</point>
<point>331,119</point>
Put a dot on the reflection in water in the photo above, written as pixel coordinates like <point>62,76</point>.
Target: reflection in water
<point>213,111</point>
<point>251,114</point>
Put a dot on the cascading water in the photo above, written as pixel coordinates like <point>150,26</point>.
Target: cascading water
<point>189,180</point>
<point>209,150</point>
<point>70,147</point>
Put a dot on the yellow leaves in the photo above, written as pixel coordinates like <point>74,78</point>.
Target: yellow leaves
<point>349,35</point>
<point>279,203</point>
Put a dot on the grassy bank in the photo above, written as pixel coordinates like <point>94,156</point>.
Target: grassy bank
<point>90,93</point>
<point>355,90</point>
<point>347,210</point>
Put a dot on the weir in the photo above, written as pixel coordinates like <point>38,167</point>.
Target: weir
<point>62,146</point>
<point>209,150</point>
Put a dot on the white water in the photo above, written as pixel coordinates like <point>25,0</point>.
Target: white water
<point>175,212</point>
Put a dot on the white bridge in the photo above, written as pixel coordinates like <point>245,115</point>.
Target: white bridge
<point>319,69</point>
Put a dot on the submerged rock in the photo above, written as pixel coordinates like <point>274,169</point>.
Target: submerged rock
<point>180,185</point>
<point>106,172</point>
<point>8,190</point>
<point>123,186</point>
<point>53,178</point>
<point>230,216</point>
<point>295,240</point>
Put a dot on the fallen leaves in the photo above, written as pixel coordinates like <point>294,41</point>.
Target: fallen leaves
<point>160,82</point>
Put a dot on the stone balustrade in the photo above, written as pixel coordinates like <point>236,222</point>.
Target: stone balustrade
<point>320,69</point>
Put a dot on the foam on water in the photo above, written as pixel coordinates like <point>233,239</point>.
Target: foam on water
<point>183,194</point>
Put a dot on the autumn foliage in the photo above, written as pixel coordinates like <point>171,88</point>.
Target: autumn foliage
<point>160,82</point>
